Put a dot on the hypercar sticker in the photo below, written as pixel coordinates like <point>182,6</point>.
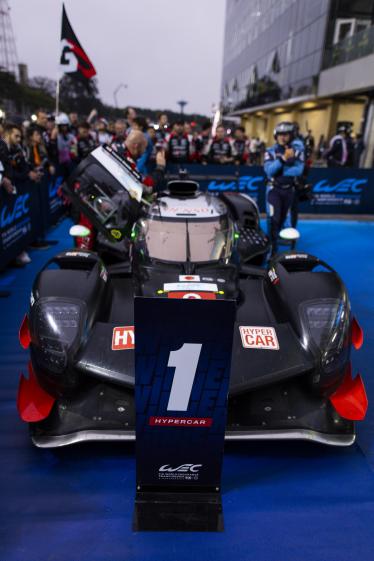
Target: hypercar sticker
<point>123,338</point>
<point>256,337</point>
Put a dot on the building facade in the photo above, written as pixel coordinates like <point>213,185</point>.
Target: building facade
<point>304,61</point>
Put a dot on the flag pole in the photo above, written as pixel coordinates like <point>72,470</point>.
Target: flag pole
<point>57,96</point>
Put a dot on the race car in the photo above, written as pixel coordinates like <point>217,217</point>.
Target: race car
<point>291,375</point>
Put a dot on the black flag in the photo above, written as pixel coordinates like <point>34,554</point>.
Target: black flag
<point>73,58</point>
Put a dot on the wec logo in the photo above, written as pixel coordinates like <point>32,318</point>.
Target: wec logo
<point>20,209</point>
<point>350,185</point>
<point>184,468</point>
<point>248,183</point>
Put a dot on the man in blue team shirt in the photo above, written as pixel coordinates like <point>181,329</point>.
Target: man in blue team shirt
<point>284,161</point>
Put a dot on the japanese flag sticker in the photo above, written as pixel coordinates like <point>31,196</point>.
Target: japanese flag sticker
<point>256,337</point>
<point>184,278</point>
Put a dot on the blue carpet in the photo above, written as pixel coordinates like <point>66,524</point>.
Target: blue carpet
<point>282,501</point>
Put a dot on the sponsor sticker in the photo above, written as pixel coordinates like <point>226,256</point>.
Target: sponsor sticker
<point>274,279</point>
<point>201,422</point>
<point>186,278</point>
<point>193,295</point>
<point>123,338</point>
<point>195,286</point>
<point>77,254</point>
<point>183,471</point>
<point>256,337</point>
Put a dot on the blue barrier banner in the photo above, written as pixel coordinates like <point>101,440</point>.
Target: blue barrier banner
<point>19,224</point>
<point>28,215</point>
<point>182,371</point>
<point>335,190</point>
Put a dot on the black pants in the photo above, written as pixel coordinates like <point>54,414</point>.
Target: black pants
<point>279,203</point>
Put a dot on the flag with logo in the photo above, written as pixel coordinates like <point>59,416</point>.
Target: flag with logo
<point>73,58</point>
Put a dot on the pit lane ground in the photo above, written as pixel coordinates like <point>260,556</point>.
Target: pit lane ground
<point>282,501</point>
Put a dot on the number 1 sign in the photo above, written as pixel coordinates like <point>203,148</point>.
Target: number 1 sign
<point>182,371</point>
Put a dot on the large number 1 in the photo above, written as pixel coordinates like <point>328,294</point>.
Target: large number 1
<point>185,361</point>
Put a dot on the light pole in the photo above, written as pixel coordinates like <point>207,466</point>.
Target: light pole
<point>118,88</point>
<point>182,105</point>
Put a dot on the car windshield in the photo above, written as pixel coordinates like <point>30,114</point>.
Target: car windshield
<point>195,240</point>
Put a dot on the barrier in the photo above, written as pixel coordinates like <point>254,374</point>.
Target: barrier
<point>28,215</point>
<point>335,190</point>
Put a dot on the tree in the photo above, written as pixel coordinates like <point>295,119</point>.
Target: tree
<point>79,95</point>
<point>44,84</point>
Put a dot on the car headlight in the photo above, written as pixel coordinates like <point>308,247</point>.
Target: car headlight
<point>327,322</point>
<point>56,327</point>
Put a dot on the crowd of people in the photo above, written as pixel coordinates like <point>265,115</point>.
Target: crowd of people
<point>48,144</point>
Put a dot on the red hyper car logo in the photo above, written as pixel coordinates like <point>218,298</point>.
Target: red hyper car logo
<point>123,338</point>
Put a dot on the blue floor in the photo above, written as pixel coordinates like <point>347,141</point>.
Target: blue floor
<point>282,502</point>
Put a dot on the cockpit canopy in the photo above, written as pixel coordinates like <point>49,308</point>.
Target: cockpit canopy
<point>179,229</point>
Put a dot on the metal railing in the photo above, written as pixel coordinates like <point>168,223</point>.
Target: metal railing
<point>351,48</point>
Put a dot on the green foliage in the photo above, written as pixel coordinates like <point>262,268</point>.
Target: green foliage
<point>76,94</point>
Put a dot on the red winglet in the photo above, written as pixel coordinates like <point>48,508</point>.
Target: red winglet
<point>24,333</point>
<point>350,399</point>
<point>357,334</point>
<point>33,403</point>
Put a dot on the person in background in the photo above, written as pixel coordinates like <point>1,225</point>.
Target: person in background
<point>309,144</point>
<point>162,128</point>
<point>85,142</point>
<point>102,134</point>
<point>46,124</point>
<point>219,149</point>
<point>66,146</point>
<point>140,124</point>
<point>240,146</point>
<point>178,146</point>
<point>358,148</point>
<point>74,122</point>
<point>36,152</point>
<point>337,154</point>
<point>16,169</point>
<point>284,161</point>
<point>201,141</point>
<point>254,151</point>
<point>322,147</point>
<point>130,116</point>
<point>118,140</point>
<point>155,146</point>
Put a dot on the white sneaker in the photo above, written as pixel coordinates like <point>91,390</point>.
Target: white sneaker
<point>23,258</point>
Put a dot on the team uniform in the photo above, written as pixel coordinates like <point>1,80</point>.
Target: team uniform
<point>280,189</point>
<point>179,148</point>
<point>218,148</point>
<point>84,146</point>
<point>240,150</point>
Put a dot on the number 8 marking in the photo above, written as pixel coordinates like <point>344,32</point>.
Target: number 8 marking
<point>185,361</point>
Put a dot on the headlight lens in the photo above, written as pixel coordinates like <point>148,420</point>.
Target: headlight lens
<point>327,321</point>
<point>56,325</point>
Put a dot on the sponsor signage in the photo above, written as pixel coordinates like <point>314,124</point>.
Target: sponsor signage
<point>334,190</point>
<point>123,338</point>
<point>182,371</point>
<point>255,337</point>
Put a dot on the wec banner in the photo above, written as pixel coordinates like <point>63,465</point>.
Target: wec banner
<point>335,190</point>
<point>26,216</point>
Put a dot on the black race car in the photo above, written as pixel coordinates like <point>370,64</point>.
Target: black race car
<point>290,372</point>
